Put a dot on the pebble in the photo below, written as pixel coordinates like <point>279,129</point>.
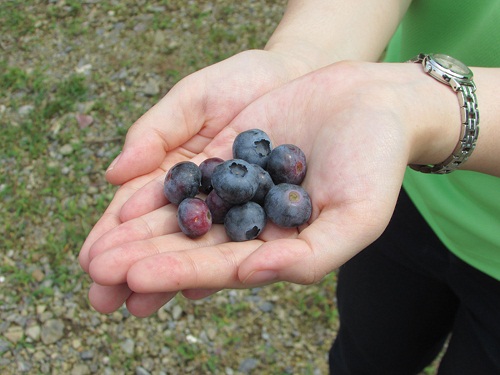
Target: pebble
<point>87,355</point>
<point>176,312</point>
<point>66,150</point>
<point>128,346</point>
<point>151,87</point>
<point>248,365</point>
<point>14,334</point>
<point>25,109</point>
<point>139,370</point>
<point>266,306</point>
<point>80,369</point>
<point>34,332</point>
<point>52,331</point>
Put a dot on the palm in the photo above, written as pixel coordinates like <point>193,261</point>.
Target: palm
<point>352,192</point>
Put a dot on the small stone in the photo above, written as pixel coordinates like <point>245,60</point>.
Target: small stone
<point>139,370</point>
<point>151,88</point>
<point>163,315</point>
<point>128,346</point>
<point>176,312</point>
<point>266,306</point>
<point>66,150</point>
<point>38,275</point>
<point>80,369</point>
<point>4,346</point>
<point>84,120</point>
<point>248,365</point>
<point>40,309</point>
<point>52,331</point>
<point>34,332</point>
<point>14,334</point>
<point>23,366</point>
<point>211,333</point>
<point>76,344</point>
<point>87,355</point>
<point>25,109</point>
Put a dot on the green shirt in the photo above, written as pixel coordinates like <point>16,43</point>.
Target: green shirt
<point>463,208</point>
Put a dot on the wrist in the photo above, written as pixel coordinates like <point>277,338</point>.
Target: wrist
<point>457,76</point>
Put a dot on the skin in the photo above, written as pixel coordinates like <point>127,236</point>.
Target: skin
<point>365,123</point>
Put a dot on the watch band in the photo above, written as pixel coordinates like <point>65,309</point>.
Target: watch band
<point>465,89</point>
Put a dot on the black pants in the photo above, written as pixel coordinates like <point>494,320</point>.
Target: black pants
<point>400,299</point>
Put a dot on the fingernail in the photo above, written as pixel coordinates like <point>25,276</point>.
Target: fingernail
<point>113,163</point>
<point>261,277</point>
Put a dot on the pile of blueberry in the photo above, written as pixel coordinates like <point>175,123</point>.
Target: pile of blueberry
<point>260,183</point>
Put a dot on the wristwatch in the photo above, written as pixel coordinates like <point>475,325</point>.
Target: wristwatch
<point>458,76</point>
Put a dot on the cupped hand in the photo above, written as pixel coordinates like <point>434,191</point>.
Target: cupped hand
<point>179,127</point>
<point>356,124</point>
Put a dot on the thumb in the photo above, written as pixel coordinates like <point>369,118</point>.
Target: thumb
<point>319,249</point>
<point>161,129</point>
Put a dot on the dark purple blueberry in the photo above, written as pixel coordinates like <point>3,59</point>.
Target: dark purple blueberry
<point>288,205</point>
<point>218,207</point>
<point>265,184</point>
<point>194,217</point>
<point>245,222</point>
<point>207,167</point>
<point>182,181</point>
<point>235,181</point>
<point>253,146</point>
<point>287,163</point>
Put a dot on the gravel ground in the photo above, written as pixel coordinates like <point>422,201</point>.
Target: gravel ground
<point>76,75</point>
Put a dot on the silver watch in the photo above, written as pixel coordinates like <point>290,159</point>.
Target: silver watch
<point>458,76</point>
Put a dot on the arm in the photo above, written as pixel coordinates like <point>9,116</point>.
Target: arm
<point>323,32</point>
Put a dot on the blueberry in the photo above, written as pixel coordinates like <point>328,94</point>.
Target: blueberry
<point>265,184</point>
<point>194,217</point>
<point>287,163</point>
<point>253,146</point>
<point>218,207</point>
<point>245,222</point>
<point>207,167</point>
<point>235,181</point>
<point>288,205</point>
<point>182,181</point>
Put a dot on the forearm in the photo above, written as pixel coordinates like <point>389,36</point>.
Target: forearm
<point>321,32</point>
<point>486,156</point>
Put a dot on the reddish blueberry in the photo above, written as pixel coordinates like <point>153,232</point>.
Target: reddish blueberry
<point>194,217</point>
<point>287,164</point>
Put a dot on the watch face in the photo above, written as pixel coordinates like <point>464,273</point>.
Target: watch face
<point>451,64</point>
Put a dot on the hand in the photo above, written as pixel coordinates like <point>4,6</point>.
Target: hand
<point>179,127</point>
<point>359,125</point>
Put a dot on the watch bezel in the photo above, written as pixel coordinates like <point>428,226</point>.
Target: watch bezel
<point>434,64</point>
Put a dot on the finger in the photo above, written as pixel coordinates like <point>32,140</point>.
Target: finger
<point>161,129</point>
<point>157,223</point>
<point>110,218</point>
<point>144,305</point>
<point>121,258</point>
<point>212,267</point>
<point>150,235</point>
<point>330,241</point>
<point>196,294</point>
<point>106,299</point>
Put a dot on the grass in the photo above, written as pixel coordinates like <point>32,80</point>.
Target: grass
<point>49,199</point>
